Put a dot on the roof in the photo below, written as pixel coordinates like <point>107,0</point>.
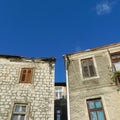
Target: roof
<point>27,58</point>
<point>97,48</point>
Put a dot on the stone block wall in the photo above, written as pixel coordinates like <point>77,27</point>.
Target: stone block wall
<point>39,94</point>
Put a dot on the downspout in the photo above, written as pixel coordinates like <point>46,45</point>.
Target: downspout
<point>68,98</point>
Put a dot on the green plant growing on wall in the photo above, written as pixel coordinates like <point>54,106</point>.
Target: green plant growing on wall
<point>116,77</point>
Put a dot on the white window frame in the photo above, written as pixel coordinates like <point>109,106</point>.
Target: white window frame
<point>20,113</point>
<point>95,66</point>
<point>58,91</point>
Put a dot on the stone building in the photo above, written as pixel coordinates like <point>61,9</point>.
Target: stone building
<point>92,93</point>
<point>60,110</point>
<point>26,88</point>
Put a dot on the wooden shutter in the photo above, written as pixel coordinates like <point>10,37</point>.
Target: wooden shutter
<point>26,75</point>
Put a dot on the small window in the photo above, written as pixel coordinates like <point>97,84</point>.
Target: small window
<point>58,115</point>
<point>95,109</point>
<point>59,93</point>
<point>26,75</point>
<point>88,68</point>
<point>19,112</point>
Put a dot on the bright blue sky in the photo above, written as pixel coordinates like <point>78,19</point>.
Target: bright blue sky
<point>51,28</point>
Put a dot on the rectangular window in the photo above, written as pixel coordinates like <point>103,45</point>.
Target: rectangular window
<point>95,109</point>
<point>26,75</point>
<point>19,112</point>
<point>58,92</point>
<point>88,68</point>
<point>58,115</point>
<point>116,60</point>
<point>58,95</point>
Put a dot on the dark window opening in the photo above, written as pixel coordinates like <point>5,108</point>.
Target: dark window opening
<point>88,68</point>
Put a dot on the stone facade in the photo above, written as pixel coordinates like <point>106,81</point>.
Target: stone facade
<point>101,85</point>
<point>38,95</point>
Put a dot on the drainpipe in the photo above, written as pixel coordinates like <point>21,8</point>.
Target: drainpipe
<point>68,99</point>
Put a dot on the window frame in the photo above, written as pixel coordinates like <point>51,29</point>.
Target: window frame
<point>95,67</point>
<point>95,109</point>
<point>88,67</point>
<point>20,113</point>
<point>59,93</point>
<point>115,60</point>
<point>26,75</point>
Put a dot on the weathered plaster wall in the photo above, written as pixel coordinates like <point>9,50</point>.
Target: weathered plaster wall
<point>102,86</point>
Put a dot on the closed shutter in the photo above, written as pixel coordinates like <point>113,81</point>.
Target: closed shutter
<point>26,75</point>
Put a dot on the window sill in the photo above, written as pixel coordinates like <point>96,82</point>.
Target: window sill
<point>90,78</point>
